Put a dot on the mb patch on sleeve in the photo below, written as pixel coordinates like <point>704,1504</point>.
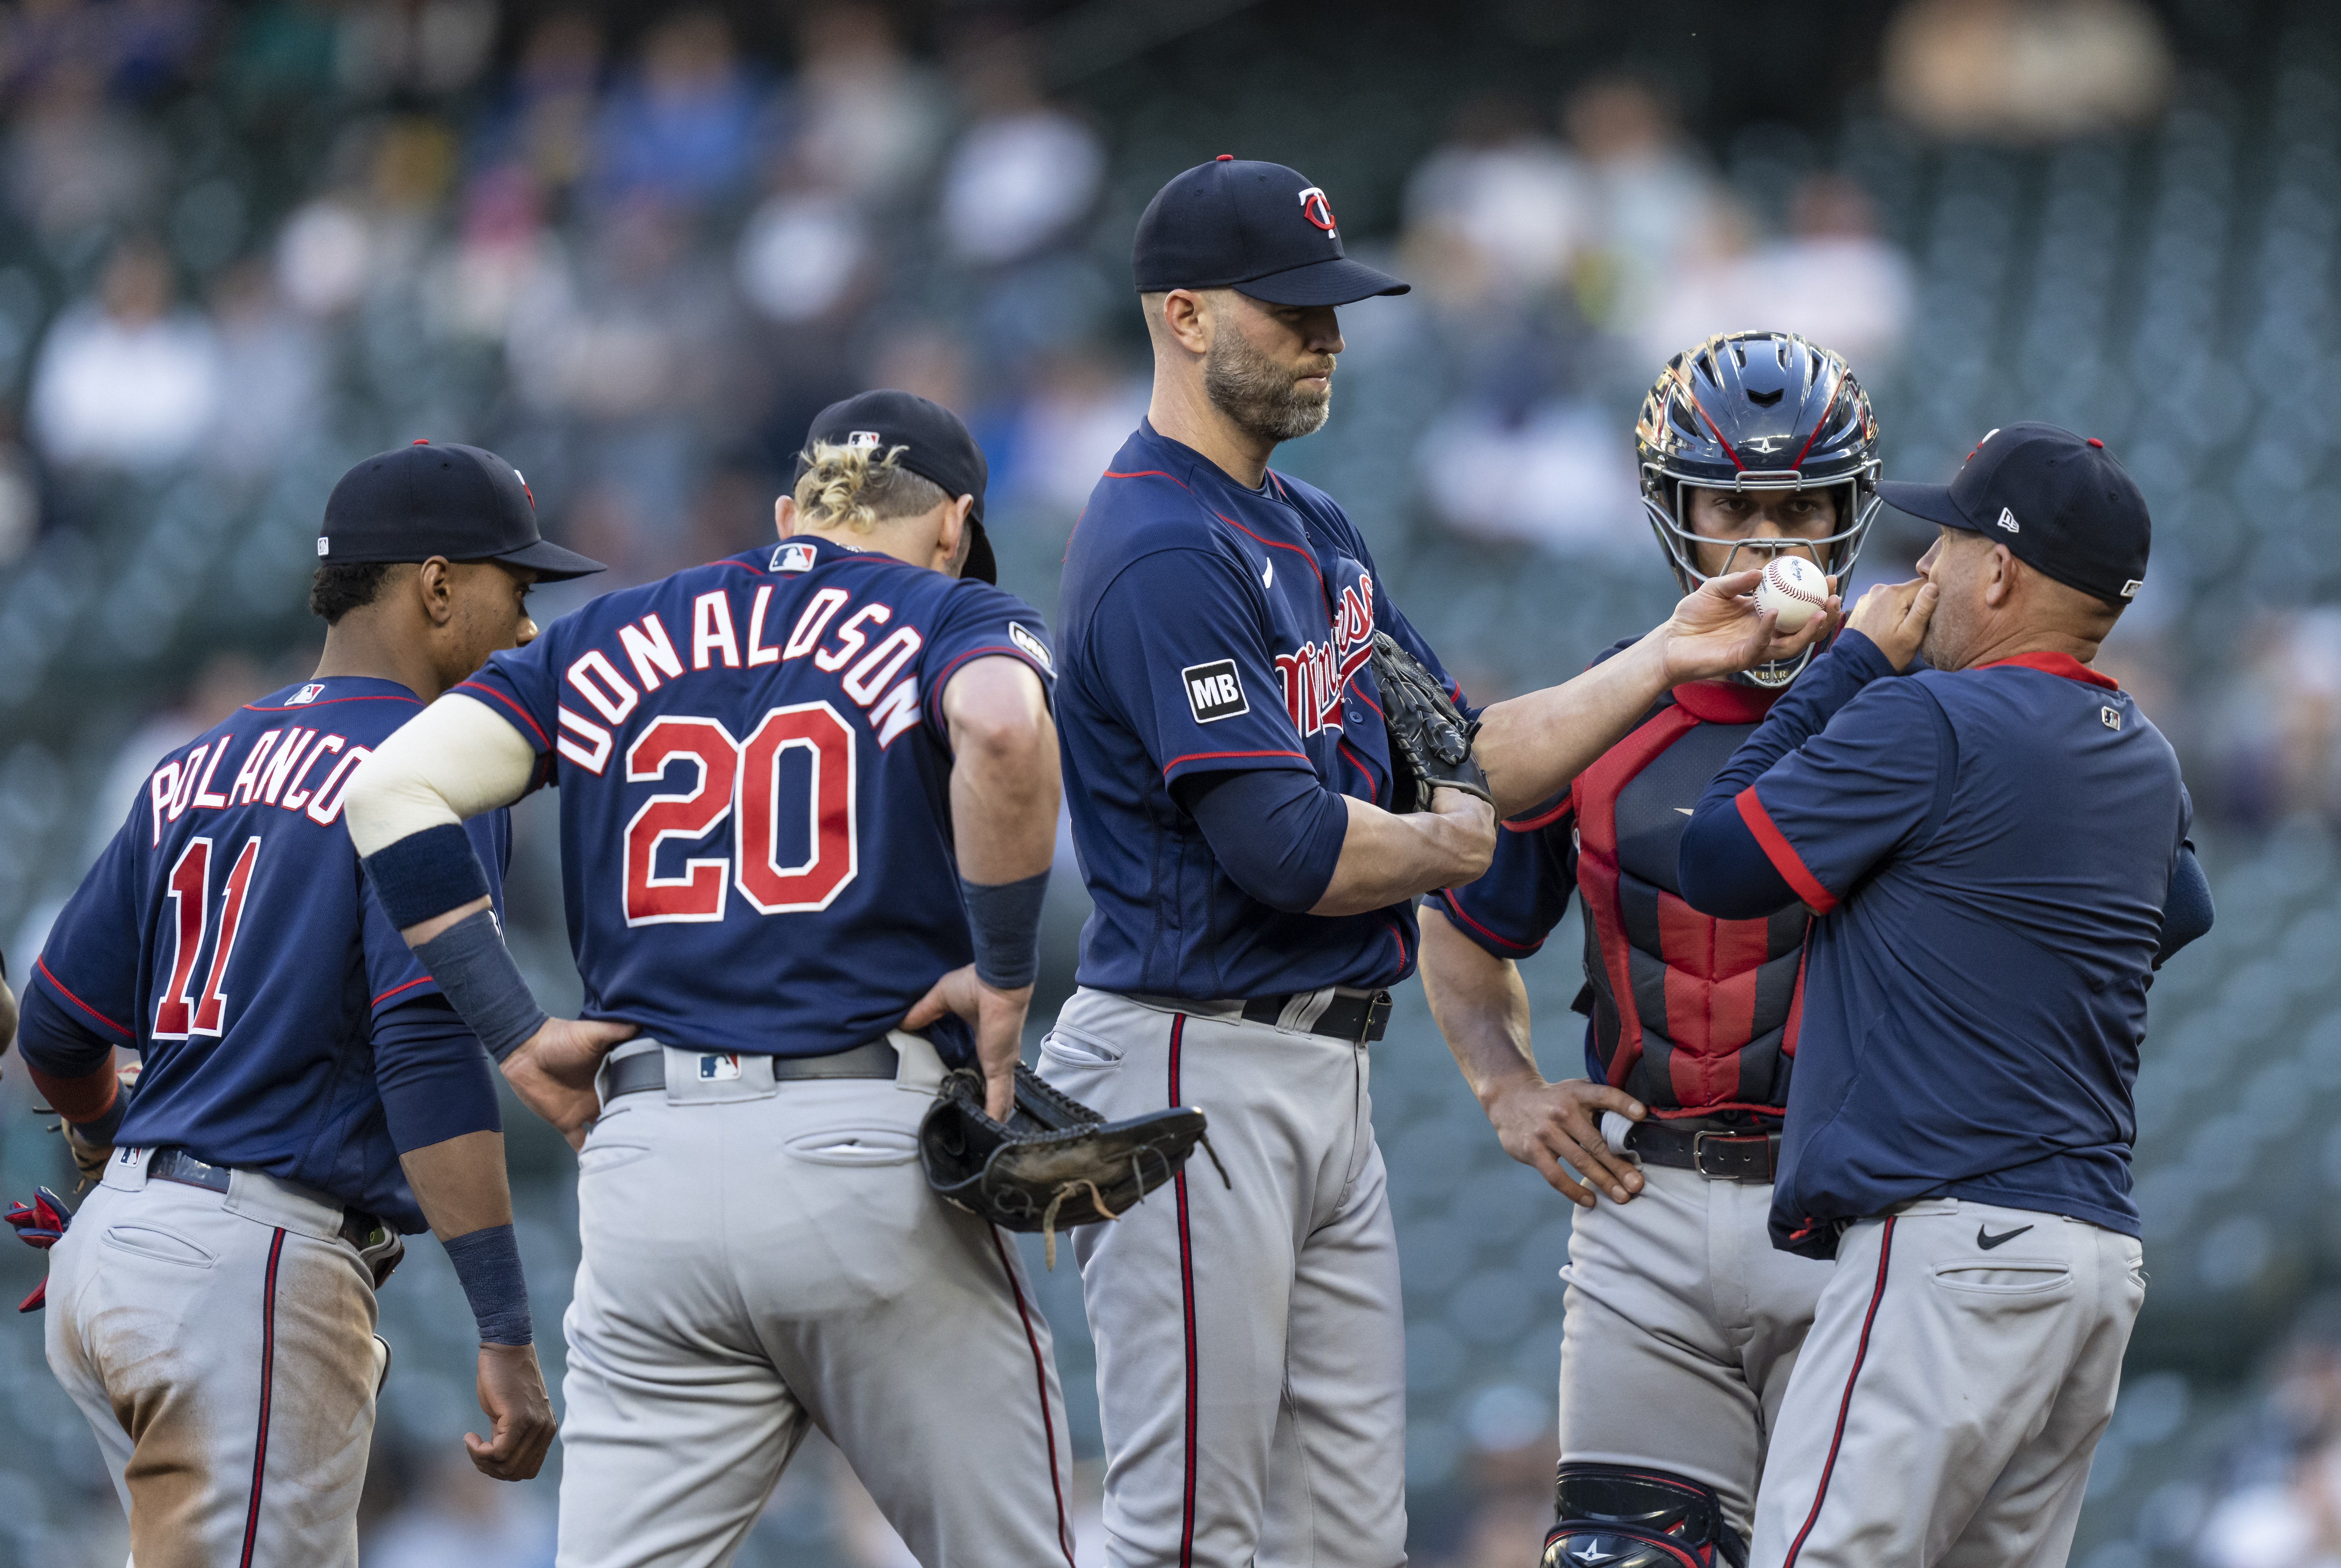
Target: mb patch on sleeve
<point>1213,691</point>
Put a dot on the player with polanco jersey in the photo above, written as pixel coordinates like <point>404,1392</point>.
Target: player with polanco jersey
<point>800,790</point>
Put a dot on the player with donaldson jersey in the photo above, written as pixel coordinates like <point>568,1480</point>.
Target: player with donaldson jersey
<point>781,776</point>
<point>306,1092</point>
<point>1683,1323</point>
<point>1237,820</point>
<point>1996,848</point>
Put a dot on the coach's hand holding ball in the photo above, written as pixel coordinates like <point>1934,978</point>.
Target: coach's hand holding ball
<point>1894,615</point>
<point>1722,629</point>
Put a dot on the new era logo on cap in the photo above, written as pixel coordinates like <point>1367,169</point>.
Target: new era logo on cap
<point>2008,521</point>
<point>1213,692</point>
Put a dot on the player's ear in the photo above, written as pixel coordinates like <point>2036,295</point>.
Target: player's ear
<point>785,515</point>
<point>952,538</point>
<point>1185,319</point>
<point>2001,584</point>
<point>434,589</point>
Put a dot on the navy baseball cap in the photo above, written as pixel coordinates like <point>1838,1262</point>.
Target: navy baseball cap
<point>2059,501</point>
<point>935,445</point>
<point>1260,229</point>
<point>464,503</point>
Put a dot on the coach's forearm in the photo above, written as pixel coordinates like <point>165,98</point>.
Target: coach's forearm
<point>1386,857</point>
<point>1004,785</point>
<point>1533,745</point>
<point>459,1183</point>
<point>1481,1007</point>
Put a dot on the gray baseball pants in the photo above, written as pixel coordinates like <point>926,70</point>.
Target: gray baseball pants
<point>222,1346</point>
<point>1962,1364</point>
<point>1252,1359</point>
<point>1681,1328</point>
<point>762,1257</point>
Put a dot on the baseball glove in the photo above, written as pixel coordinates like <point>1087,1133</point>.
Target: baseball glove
<point>1056,1162</point>
<point>1430,738</point>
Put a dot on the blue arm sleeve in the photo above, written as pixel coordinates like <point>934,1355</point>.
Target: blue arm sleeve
<point>2187,911</point>
<point>1277,831</point>
<point>1723,870</point>
<point>433,1078</point>
<point>55,1042</point>
<point>1852,661</point>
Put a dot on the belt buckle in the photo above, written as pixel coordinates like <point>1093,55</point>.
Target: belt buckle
<point>1378,1012</point>
<point>1744,1157</point>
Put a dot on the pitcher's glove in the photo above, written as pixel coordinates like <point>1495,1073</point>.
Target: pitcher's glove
<point>1430,737</point>
<point>1055,1163</point>
<point>40,1224</point>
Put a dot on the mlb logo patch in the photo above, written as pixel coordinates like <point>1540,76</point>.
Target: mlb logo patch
<point>792,558</point>
<point>1213,692</point>
<point>717,1066</point>
<point>2110,717</point>
<point>306,695</point>
<point>863,440</point>
<point>1034,649</point>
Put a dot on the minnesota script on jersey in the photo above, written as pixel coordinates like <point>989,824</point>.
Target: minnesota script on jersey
<point>758,746</point>
<point>228,934</point>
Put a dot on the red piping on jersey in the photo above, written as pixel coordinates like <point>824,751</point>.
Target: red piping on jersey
<point>1402,959</point>
<point>94,1012</point>
<point>1275,544</point>
<point>1845,1405</point>
<point>2049,664</point>
<point>541,740</point>
<point>1453,900</point>
<point>1040,1377</point>
<point>1187,1302</point>
<point>267,1377</point>
<point>329,702</point>
<point>993,650</point>
<point>1214,756</point>
<point>1781,853</point>
<point>1367,700</point>
<point>396,989</point>
<point>1596,870</point>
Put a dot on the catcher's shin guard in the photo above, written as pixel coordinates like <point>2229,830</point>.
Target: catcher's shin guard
<point>1614,1517</point>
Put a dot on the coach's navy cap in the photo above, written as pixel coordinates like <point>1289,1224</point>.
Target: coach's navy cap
<point>2059,503</point>
<point>1260,229</point>
<point>935,445</point>
<point>415,502</point>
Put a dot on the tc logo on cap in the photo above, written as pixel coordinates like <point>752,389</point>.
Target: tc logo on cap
<point>1319,211</point>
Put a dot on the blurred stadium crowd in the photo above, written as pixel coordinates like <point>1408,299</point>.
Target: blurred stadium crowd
<point>634,249</point>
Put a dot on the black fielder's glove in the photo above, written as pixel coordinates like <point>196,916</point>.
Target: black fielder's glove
<point>1430,737</point>
<point>1056,1162</point>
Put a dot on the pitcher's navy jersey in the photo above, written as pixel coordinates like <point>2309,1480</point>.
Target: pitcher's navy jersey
<point>229,935</point>
<point>1990,851</point>
<point>1208,627</point>
<point>755,775</point>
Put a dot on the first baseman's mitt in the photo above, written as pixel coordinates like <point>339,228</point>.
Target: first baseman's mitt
<point>1430,737</point>
<point>1056,1162</point>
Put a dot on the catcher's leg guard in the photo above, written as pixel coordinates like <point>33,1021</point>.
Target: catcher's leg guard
<point>1613,1517</point>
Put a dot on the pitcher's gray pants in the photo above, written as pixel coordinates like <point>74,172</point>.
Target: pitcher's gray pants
<point>1252,1359</point>
<point>760,1258</point>
<point>1961,1367</point>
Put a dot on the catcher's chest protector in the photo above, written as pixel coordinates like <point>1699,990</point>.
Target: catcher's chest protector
<point>1689,1013</point>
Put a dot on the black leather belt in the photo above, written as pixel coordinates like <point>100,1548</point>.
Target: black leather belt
<point>646,1070</point>
<point>1720,1156</point>
<point>358,1227</point>
<point>1356,1019</point>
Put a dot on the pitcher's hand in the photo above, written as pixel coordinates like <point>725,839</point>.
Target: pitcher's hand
<point>998,1019</point>
<point>520,1415</point>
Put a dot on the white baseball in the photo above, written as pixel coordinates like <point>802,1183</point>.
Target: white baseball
<point>1793,588</point>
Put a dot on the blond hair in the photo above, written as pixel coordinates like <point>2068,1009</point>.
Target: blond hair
<point>856,486</point>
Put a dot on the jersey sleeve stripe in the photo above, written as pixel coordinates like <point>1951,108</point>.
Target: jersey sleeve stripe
<point>1545,819</point>
<point>1781,853</point>
<point>942,677</point>
<point>329,702</point>
<point>542,743</point>
<point>46,973</point>
<point>424,980</point>
<point>1215,756</point>
<point>1454,903</point>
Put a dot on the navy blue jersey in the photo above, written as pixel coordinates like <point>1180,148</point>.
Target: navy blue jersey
<point>228,934</point>
<point>755,775</point>
<point>1990,851</point>
<point>1210,627</point>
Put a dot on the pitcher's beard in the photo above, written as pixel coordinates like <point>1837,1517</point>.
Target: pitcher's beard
<point>1259,395</point>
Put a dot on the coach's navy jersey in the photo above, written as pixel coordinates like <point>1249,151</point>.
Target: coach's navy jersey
<point>1210,627</point>
<point>754,774</point>
<point>1990,851</point>
<point>228,934</point>
<point>1690,1014</point>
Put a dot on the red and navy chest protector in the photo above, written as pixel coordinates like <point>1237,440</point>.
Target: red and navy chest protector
<point>1691,1014</point>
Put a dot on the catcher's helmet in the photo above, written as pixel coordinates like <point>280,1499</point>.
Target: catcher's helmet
<point>1758,411</point>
